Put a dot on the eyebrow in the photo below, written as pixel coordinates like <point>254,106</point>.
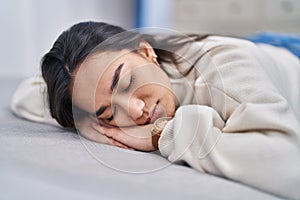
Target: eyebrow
<point>116,77</point>
<point>114,84</point>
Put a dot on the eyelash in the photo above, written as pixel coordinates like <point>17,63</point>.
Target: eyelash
<point>132,79</point>
<point>113,114</point>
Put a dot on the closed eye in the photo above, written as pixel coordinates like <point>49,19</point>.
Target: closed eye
<point>113,114</point>
<point>132,79</point>
<point>127,89</point>
<point>110,119</point>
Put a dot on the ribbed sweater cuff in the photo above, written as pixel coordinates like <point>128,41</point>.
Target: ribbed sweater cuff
<point>166,140</point>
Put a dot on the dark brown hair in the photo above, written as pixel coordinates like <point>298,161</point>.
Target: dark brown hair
<point>76,43</point>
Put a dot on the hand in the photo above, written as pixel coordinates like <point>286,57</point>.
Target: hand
<point>137,137</point>
<point>87,131</point>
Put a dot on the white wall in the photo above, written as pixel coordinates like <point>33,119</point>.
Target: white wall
<point>236,17</point>
<point>29,27</point>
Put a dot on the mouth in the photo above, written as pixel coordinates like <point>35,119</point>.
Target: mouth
<point>154,112</point>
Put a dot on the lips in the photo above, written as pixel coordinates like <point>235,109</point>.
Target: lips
<point>154,112</point>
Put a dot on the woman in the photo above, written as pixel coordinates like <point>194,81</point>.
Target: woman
<point>222,105</point>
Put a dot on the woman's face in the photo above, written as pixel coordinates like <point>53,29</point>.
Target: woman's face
<point>123,88</point>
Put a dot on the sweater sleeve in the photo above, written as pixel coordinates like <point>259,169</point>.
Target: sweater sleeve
<point>29,101</point>
<point>242,125</point>
<point>266,159</point>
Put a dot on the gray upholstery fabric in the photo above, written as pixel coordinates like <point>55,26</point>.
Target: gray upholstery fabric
<point>39,161</point>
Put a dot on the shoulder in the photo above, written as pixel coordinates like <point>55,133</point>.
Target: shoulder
<point>224,41</point>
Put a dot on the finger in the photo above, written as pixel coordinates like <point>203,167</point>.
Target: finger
<point>131,138</point>
<point>98,128</point>
<point>136,137</point>
<point>109,133</point>
<point>95,136</point>
<point>119,144</point>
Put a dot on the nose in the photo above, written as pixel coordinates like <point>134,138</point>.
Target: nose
<point>135,108</point>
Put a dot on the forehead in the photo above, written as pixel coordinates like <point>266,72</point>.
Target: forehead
<point>96,71</point>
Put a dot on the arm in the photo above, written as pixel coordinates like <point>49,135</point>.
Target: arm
<point>267,159</point>
<point>86,129</point>
<point>29,101</point>
<point>135,137</point>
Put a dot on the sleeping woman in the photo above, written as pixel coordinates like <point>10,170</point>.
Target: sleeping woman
<point>222,105</point>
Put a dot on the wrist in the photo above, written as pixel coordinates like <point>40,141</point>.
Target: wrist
<point>157,129</point>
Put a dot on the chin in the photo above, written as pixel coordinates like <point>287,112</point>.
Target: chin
<point>169,113</point>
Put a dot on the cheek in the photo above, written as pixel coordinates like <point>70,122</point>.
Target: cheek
<point>167,100</point>
<point>171,102</point>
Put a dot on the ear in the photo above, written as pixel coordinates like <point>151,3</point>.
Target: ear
<point>146,50</point>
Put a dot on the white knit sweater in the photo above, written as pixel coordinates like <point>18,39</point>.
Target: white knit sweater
<point>244,121</point>
<point>239,114</point>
